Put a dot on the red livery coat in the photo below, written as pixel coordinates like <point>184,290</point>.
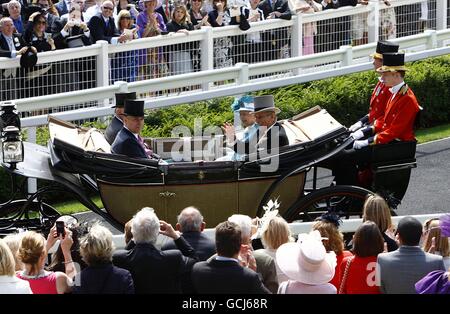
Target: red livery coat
<point>399,117</point>
<point>378,102</point>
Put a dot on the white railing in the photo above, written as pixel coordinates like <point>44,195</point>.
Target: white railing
<point>334,30</point>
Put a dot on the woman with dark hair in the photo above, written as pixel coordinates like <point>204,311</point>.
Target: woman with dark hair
<point>358,271</point>
<point>38,79</point>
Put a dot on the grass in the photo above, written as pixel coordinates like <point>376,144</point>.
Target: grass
<point>423,136</point>
<point>72,207</point>
<point>434,133</point>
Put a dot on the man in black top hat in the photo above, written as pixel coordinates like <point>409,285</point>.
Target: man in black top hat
<point>128,141</point>
<point>270,134</point>
<point>117,122</point>
<point>381,93</point>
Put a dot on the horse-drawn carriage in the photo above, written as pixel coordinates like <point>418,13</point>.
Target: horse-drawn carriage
<point>78,161</point>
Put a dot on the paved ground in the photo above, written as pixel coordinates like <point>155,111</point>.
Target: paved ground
<point>429,187</point>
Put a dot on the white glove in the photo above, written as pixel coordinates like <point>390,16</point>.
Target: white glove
<point>357,135</point>
<point>360,144</point>
<point>355,126</point>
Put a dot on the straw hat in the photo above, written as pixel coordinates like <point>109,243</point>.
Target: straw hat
<point>306,260</point>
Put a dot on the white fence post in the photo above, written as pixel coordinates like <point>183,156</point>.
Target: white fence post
<point>297,39</point>
<point>431,39</point>
<point>347,57</point>
<point>207,52</point>
<point>441,14</point>
<point>373,20</point>
<point>123,86</point>
<point>103,68</point>
<point>31,182</point>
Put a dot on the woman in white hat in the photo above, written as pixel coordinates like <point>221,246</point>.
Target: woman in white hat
<point>308,266</point>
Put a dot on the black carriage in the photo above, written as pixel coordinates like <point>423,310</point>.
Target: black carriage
<point>78,161</point>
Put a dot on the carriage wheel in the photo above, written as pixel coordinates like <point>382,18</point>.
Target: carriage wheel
<point>13,215</point>
<point>342,200</point>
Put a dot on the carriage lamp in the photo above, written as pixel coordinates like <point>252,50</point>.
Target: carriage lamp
<point>9,115</point>
<point>12,146</point>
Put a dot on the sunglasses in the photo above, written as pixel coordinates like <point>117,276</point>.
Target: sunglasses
<point>41,22</point>
<point>196,0</point>
<point>108,8</point>
<point>126,17</point>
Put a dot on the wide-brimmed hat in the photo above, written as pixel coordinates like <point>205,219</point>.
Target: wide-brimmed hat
<point>384,47</point>
<point>28,59</point>
<point>393,62</point>
<point>306,260</point>
<point>134,108</point>
<point>121,97</point>
<point>265,103</point>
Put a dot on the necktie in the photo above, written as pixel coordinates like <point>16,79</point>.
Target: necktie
<point>168,10</point>
<point>11,44</point>
<point>148,151</point>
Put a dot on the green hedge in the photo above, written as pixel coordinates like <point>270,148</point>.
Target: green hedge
<point>346,98</point>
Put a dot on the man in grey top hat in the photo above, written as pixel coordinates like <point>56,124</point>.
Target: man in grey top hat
<point>117,122</point>
<point>270,133</point>
<point>128,141</point>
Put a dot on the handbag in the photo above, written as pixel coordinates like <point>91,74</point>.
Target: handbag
<point>344,277</point>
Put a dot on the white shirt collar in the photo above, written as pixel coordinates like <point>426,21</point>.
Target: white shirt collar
<point>394,89</point>
<point>225,259</point>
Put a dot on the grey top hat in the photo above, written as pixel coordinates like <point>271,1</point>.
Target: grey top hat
<point>134,108</point>
<point>265,103</point>
<point>121,97</point>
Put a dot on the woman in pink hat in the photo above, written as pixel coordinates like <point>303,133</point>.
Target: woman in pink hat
<point>308,266</point>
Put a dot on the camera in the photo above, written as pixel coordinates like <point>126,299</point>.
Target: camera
<point>60,228</point>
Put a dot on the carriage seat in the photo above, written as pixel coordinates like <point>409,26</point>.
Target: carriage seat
<point>309,125</point>
<point>86,139</point>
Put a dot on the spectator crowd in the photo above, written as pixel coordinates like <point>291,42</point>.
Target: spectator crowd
<point>31,26</point>
<point>245,255</point>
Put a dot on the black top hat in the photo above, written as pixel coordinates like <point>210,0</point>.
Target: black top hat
<point>393,62</point>
<point>134,108</point>
<point>264,103</point>
<point>28,59</point>
<point>121,97</point>
<point>384,47</point>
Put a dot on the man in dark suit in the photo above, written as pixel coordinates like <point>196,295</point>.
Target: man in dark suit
<point>191,225</point>
<point>103,27</point>
<point>63,6</point>
<point>117,121</point>
<point>11,45</point>
<point>155,271</point>
<point>224,274</point>
<point>128,141</point>
<point>270,134</point>
<point>398,271</point>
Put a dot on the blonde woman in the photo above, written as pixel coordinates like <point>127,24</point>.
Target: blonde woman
<point>180,55</point>
<point>377,210</point>
<point>33,254</point>
<point>13,242</point>
<point>435,242</point>
<point>275,233</point>
<point>101,276</point>
<point>9,283</point>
